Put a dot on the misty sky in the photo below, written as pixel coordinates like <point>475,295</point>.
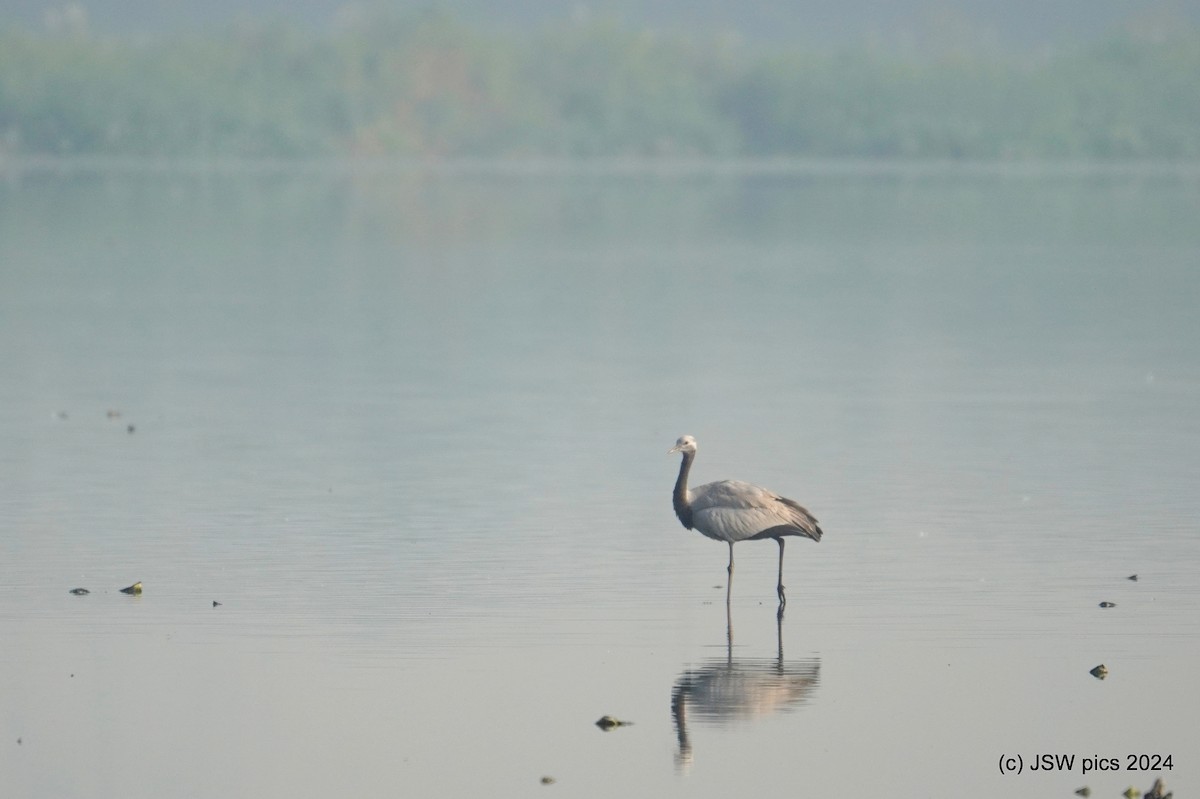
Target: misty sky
<point>1006,22</point>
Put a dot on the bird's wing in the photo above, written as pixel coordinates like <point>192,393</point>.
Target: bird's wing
<point>800,518</point>
<point>730,494</point>
<point>746,510</point>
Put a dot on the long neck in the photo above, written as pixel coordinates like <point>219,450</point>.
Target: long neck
<point>682,509</point>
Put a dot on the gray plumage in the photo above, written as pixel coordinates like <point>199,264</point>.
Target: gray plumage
<point>732,511</point>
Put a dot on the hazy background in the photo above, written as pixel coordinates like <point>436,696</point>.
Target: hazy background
<point>374,324</point>
<point>1010,22</point>
<point>914,80</point>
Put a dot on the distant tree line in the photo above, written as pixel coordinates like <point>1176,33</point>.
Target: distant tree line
<point>431,86</point>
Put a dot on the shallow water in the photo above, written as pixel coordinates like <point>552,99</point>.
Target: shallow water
<point>410,432</point>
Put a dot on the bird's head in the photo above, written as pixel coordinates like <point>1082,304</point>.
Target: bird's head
<point>685,444</point>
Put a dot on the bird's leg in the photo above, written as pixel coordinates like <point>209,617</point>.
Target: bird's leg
<point>779,587</point>
<point>728,629</point>
<point>779,640</point>
<point>729,582</point>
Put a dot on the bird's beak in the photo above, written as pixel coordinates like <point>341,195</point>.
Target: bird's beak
<point>673,450</point>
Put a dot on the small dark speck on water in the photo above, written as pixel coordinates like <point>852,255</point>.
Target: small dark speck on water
<point>607,723</point>
<point>80,591</point>
<point>62,415</point>
<point>1132,577</point>
<point>18,742</point>
<point>1084,791</point>
<point>113,413</point>
<point>1100,672</point>
<point>130,428</point>
<point>216,603</point>
<point>548,780</point>
<point>1108,604</point>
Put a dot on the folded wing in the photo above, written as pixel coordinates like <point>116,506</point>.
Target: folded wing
<point>730,510</point>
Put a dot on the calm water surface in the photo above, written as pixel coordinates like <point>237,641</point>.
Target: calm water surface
<point>410,432</point>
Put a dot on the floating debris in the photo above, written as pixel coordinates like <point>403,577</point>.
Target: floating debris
<point>1132,577</point>
<point>1084,791</point>
<point>1156,792</point>
<point>80,591</point>
<point>134,589</point>
<point>607,723</point>
<point>1108,604</point>
<point>216,604</point>
<point>548,780</point>
<point>1100,672</point>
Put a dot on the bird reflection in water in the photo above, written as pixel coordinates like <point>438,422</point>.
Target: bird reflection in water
<point>728,690</point>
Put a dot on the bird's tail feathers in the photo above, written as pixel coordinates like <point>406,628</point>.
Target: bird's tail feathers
<point>803,520</point>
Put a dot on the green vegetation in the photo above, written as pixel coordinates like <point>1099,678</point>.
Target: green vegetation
<point>429,86</point>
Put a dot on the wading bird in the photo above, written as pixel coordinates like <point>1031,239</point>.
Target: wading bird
<point>732,511</point>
